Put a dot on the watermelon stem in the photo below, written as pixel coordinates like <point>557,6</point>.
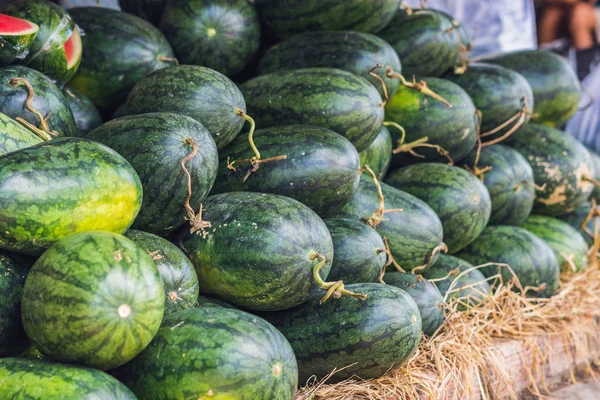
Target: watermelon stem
<point>333,288</point>
<point>390,260</point>
<point>378,215</point>
<point>385,93</point>
<point>420,86</point>
<point>458,274</point>
<point>38,132</point>
<point>591,180</point>
<point>442,247</point>
<point>407,8</point>
<point>30,96</point>
<point>421,142</point>
<point>196,221</point>
<point>169,59</point>
<point>593,213</point>
<point>454,272</point>
<point>530,184</point>
<point>463,51</point>
<point>521,116</point>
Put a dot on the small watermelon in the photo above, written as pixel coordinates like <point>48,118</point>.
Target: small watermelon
<point>14,136</point>
<point>16,37</point>
<point>84,112</point>
<point>378,156</point>
<point>12,277</point>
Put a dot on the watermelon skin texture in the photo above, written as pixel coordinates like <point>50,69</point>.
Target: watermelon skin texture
<point>326,97</point>
<point>150,10</point>
<point>556,88</point>
<point>372,335</point>
<point>427,297</point>
<point>354,52</point>
<point>12,277</point>
<point>15,46</point>
<point>508,182</point>
<point>204,301</point>
<point>531,259</point>
<point>228,353</point>
<point>320,171</point>
<point>119,50</point>
<point>454,129</point>
<point>176,270</point>
<point>34,379</point>
<point>145,139</point>
<point>87,186</point>
<point>558,161</point>
<point>287,18</point>
<point>14,136</point>
<point>467,290</point>
<point>198,92</point>
<point>568,245</point>
<point>459,198</point>
<point>110,300</point>
<point>497,92</point>
<point>576,217</point>
<point>286,234</point>
<point>85,113</point>
<point>357,251</point>
<point>378,156</point>
<point>228,48</point>
<point>48,99</point>
<point>413,233</point>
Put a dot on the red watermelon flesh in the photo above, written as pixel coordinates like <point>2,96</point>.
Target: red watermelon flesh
<point>16,26</point>
<point>73,49</point>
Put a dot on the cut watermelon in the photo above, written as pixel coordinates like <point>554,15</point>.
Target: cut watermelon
<point>16,36</point>
<point>73,49</point>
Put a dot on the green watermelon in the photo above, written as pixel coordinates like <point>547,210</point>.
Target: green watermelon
<point>462,39</point>
<point>286,18</point>
<point>204,301</point>
<point>121,111</point>
<point>32,353</point>
<point>531,259</point>
<point>120,49</point>
<point>219,34</point>
<point>459,281</point>
<point>214,353</point>
<point>84,112</point>
<point>358,338</point>
<point>48,100</point>
<point>85,186</point>
<point>413,229</point>
<point>462,202</point>
<point>12,277</point>
<point>509,180</point>
<point>561,166</point>
<point>568,245</point>
<point>425,294</point>
<point>596,168</point>
<point>261,252</point>
<point>94,298</point>
<point>378,155</point>
<point>16,37</point>
<point>554,83</point>
<point>326,97</point>
<point>37,380</point>
<point>354,52</point>
<point>155,144</point>
<point>453,129</point>
<point>149,10</point>
<point>56,50</point>
<point>501,94</point>
<point>176,270</point>
<point>358,251</point>
<point>576,218</point>
<point>320,169</point>
<point>198,92</point>
<point>14,136</point>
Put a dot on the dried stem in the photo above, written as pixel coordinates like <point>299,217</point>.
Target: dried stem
<point>521,116</point>
<point>436,250</point>
<point>420,86</point>
<point>333,288</point>
<point>390,260</point>
<point>421,142</point>
<point>196,221</point>
<point>37,131</point>
<point>168,59</point>
<point>384,88</point>
<point>30,96</point>
<point>530,184</point>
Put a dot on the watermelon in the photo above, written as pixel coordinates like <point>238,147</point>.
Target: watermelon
<point>463,41</point>
<point>16,37</point>
<point>33,379</point>
<point>378,155</point>
<point>354,52</point>
<point>214,352</point>
<point>176,270</point>
<point>120,49</point>
<point>531,259</point>
<point>121,111</point>
<point>94,298</point>
<point>14,136</point>
<point>554,83</point>
<point>561,166</point>
<point>358,338</point>
<point>56,50</point>
<point>84,112</point>
<point>48,101</point>
<point>198,92</point>
<point>358,251</point>
<point>85,186</point>
<point>501,94</point>
<point>568,245</point>
<point>204,301</point>
<point>413,229</point>
<point>453,129</point>
<point>149,10</point>
<point>577,217</point>
<point>219,34</point>
<point>459,198</point>
<point>286,18</point>
<point>509,180</point>
<point>320,169</point>
<point>596,168</point>
<point>426,296</point>
<point>32,353</point>
<point>156,144</point>
<point>326,97</point>
<point>12,276</point>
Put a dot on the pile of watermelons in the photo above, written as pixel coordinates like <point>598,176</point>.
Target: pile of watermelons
<point>199,199</point>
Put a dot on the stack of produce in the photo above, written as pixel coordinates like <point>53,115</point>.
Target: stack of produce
<point>222,228</point>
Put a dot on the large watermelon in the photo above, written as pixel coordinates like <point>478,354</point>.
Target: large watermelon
<point>531,259</point>
<point>14,136</point>
<point>16,37</point>
<point>85,186</point>
<point>320,169</point>
<point>12,277</point>
<point>156,144</point>
<point>462,202</point>
<point>363,338</point>
<point>198,92</point>
<point>378,155</point>
<point>94,298</point>
<point>84,112</point>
